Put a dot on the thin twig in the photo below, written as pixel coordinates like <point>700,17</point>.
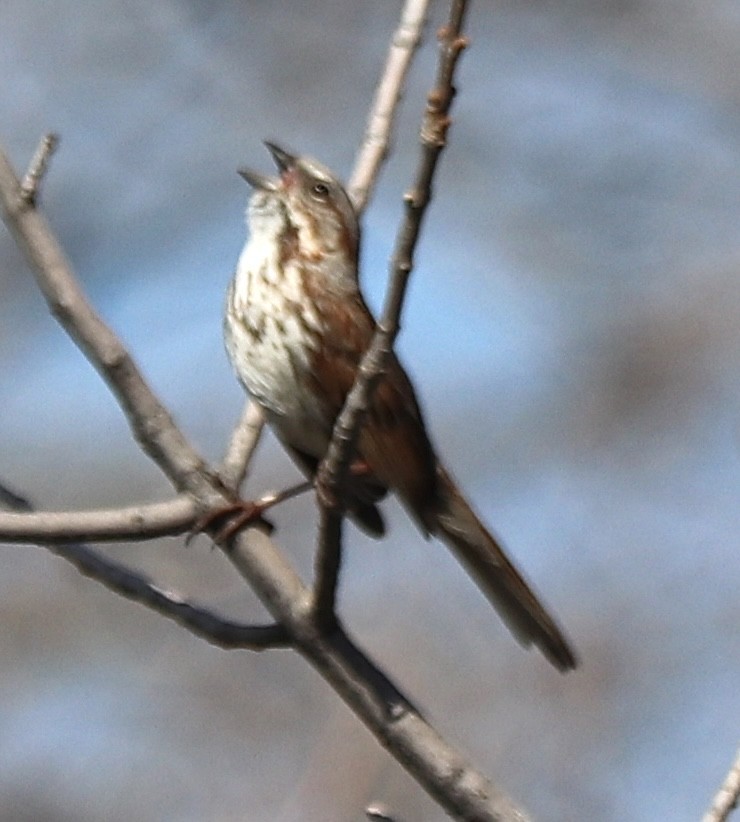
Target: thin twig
<point>269,500</point>
<point>376,140</point>
<point>198,620</point>
<point>241,447</point>
<point>727,797</point>
<point>136,587</point>
<point>333,470</point>
<point>378,812</point>
<point>31,185</point>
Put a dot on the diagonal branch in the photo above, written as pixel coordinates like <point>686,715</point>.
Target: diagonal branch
<point>241,446</point>
<point>198,620</point>
<point>333,470</point>
<point>377,137</point>
<point>33,178</point>
<point>727,797</point>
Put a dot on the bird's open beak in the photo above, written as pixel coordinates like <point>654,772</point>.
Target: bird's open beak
<point>258,180</point>
<point>284,160</point>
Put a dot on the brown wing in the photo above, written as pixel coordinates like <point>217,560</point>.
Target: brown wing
<point>393,441</point>
<point>362,495</point>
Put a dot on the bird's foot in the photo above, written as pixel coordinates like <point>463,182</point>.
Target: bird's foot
<point>229,519</point>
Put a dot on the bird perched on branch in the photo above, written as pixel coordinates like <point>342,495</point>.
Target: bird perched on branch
<point>296,328</point>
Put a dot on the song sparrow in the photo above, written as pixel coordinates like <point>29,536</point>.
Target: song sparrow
<point>296,327</point>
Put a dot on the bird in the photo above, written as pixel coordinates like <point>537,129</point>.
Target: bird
<point>296,326</point>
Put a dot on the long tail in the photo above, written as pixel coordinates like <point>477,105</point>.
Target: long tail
<point>480,554</point>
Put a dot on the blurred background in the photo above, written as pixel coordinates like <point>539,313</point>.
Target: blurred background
<point>573,330</point>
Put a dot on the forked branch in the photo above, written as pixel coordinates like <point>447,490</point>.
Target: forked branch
<point>114,576</point>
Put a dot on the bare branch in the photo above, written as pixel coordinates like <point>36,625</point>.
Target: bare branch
<point>241,447</point>
<point>726,798</point>
<point>137,587</point>
<point>327,564</point>
<point>198,620</point>
<point>333,470</point>
<point>33,177</point>
<point>448,777</point>
<point>136,522</point>
<point>377,137</point>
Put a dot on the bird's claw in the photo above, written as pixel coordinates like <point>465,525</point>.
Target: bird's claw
<point>235,516</point>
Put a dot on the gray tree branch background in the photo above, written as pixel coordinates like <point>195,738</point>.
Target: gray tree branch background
<point>573,330</point>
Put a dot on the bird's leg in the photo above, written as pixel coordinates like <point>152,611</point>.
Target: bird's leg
<point>240,513</point>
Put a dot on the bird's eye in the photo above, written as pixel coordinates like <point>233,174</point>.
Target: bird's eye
<point>320,190</point>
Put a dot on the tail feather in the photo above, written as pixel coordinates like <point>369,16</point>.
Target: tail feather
<point>484,559</point>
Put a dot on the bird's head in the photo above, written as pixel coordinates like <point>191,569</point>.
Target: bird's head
<point>310,199</point>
